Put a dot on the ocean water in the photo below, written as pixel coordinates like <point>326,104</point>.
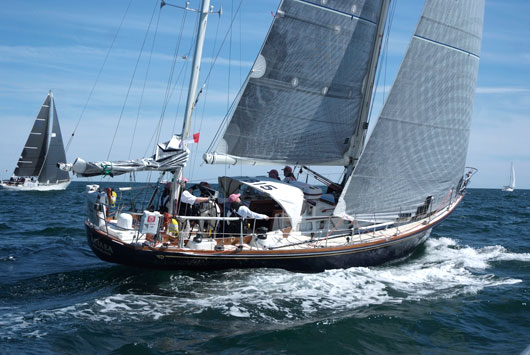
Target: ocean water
<point>465,291</point>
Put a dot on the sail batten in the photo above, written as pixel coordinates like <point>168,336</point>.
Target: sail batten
<point>446,45</point>
<point>34,151</point>
<point>302,100</point>
<point>336,11</point>
<point>415,157</point>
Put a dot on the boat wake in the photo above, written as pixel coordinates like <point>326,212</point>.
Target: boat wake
<point>444,269</point>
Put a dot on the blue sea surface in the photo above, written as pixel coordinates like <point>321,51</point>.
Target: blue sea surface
<point>466,290</point>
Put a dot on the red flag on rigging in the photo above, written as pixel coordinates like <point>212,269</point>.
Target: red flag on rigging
<point>193,139</point>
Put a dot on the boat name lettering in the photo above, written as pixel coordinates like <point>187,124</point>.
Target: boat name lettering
<point>264,186</point>
<point>102,247</point>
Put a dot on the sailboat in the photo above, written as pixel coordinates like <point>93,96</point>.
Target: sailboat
<point>313,78</point>
<point>511,187</point>
<point>37,168</point>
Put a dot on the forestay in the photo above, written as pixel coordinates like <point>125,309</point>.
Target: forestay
<point>302,99</point>
<point>419,144</point>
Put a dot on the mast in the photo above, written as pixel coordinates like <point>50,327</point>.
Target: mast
<point>357,142</point>
<point>194,79</point>
<point>196,68</point>
<point>46,144</point>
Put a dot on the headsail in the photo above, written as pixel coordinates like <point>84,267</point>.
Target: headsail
<point>34,151</point>
<point>419,144</point>
<point>301,102</point>
<point>55,154</point>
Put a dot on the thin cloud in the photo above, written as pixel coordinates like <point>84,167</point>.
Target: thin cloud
<point>501,90</point>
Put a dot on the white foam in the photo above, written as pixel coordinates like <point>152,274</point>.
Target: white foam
<point>446,270</point>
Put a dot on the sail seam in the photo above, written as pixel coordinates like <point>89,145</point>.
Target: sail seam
<point>421,124</point>
<point>338,12</point>
<point>447,46</point>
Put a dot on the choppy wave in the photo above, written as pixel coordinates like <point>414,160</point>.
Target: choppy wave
<point>444,270</point>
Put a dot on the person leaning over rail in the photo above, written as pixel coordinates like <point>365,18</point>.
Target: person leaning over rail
<point>243,211</point>
<point>237,208</point>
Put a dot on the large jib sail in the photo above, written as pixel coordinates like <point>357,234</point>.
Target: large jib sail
<point>34,151</point>
<point>50,173</point>
<point>302,100</point>
<point>416,154</point>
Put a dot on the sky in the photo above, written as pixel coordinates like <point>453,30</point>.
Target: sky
<point>109,63</point>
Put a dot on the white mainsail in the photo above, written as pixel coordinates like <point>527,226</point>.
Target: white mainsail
<point>302,100</point>
<point>416,153</point>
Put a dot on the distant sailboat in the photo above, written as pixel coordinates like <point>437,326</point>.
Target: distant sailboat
<point>511,187</point>
<point>37,166</point>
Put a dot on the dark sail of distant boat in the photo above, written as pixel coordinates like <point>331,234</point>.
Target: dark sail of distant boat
<point>37,168</point>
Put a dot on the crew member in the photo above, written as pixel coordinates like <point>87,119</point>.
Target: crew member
<point>288,174</point>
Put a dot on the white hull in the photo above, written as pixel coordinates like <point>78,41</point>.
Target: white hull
<point>508,189</point>
<point>36,186</point>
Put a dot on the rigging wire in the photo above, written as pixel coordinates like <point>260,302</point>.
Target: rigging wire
<point>390,20</point>
<point>98,75</point>
<point>181,91</point>
<point>210,71</point>
<point>384,57</point>
<point>184,76</point>
<point>222,43</point>
<point>229,62</point>
<point>145,79</point>
<point>158,130</point>
<point>240,52</point>
<point>132,80</point>
<point>206,91</point>
<point>240,70</point>
<point>185,66</point>
<point>206,80</point>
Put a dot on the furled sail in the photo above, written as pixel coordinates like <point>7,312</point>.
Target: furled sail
<point>416,154</point>
<point>34,151</point>
<point>50,172</point>
<point>168,157</point>
<point>301,101</point>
